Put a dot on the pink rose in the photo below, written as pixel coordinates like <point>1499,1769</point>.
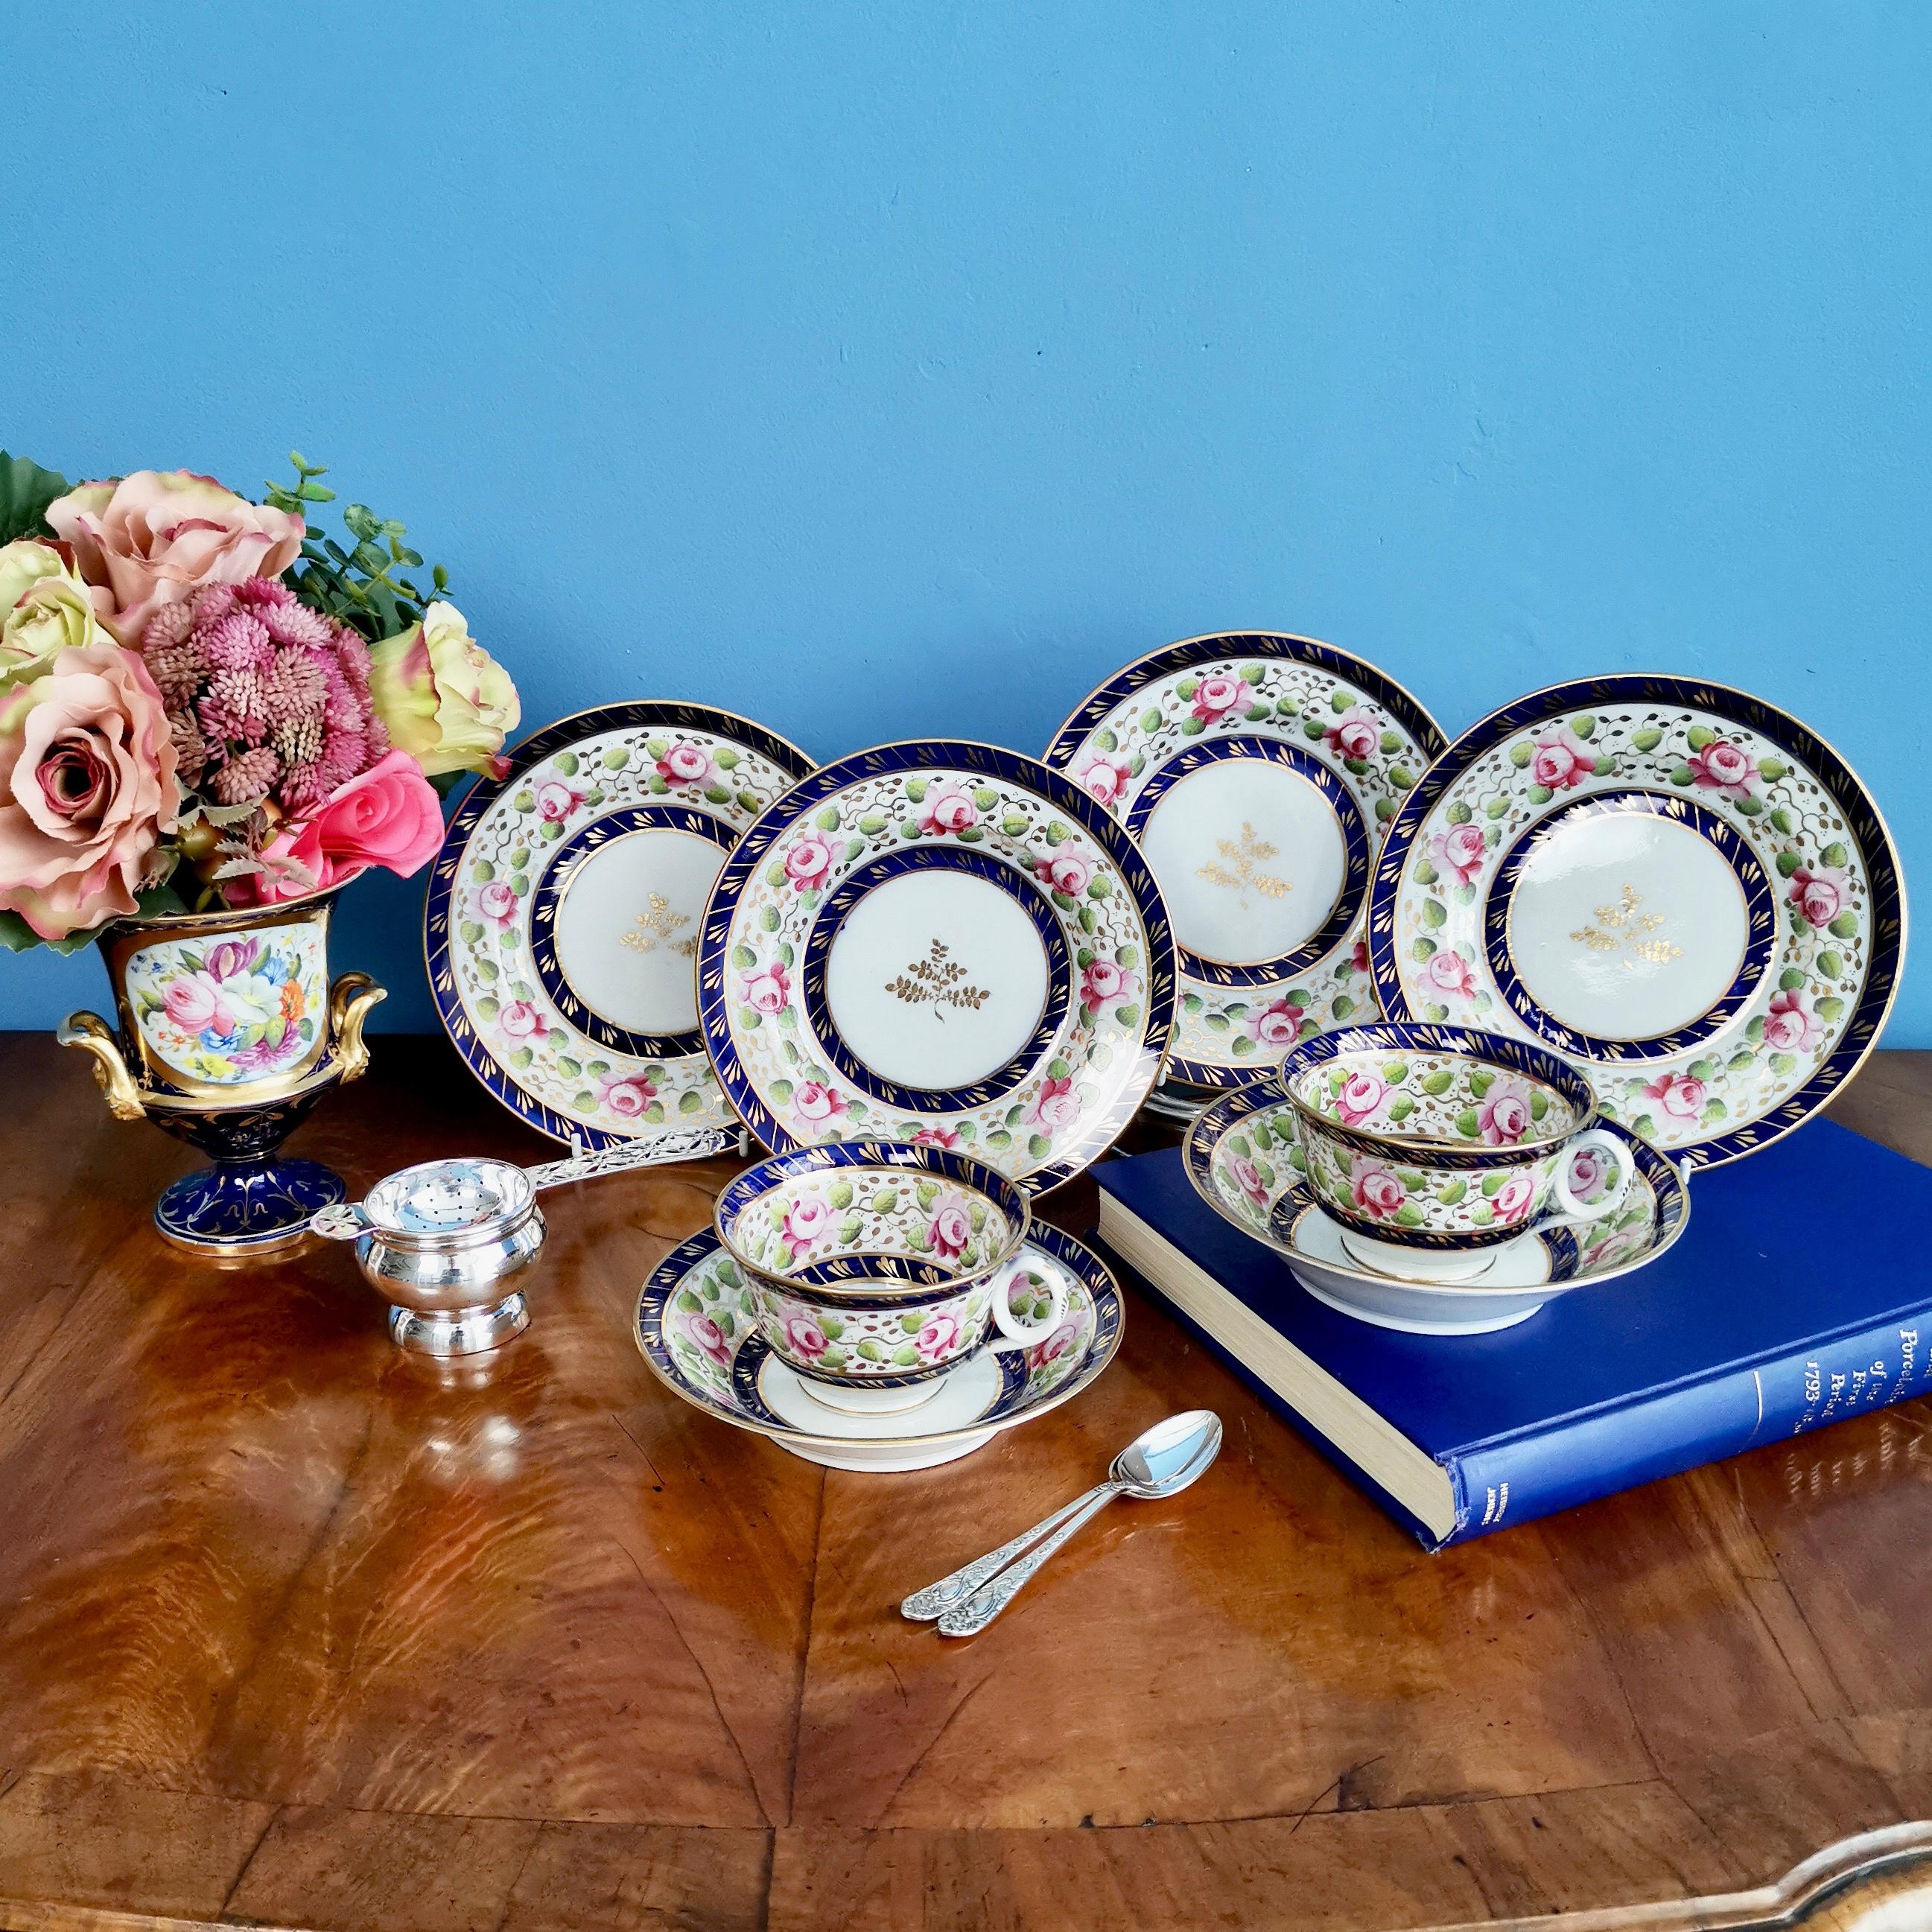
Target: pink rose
<point>1358,956</point>
<point>816,1105</point>
<point>1377,1191</point>
<point>1065,872</point>
<point>1460,852</point>
<point>496,902</point>
<point>805,1337</point>
<point>807,863</point>
<point>1275,1024</point>
<point>1055,1346</point>
<point>1819,895</point>
<point>1213,696</point>
<point>1790,1026</point>
<point>1512,1198</point>
<point>389,816</point>
<point>709,1337</point>
<point>1357,733</point>
<point>936,1137</point>
<point>1505,1114</point>
<point>87,789</point>
<point>769,990</point>
<point>1724,768</point>
<point>1055,1107</point>
<point>940,1336</point>
<point>194,1001</point>
<point>629,1097</point>
<point>687,764</point>
<point>950,1229</point>
<point>1361,1094</point>
<point>556,800</point>
<point>1589,1170</point>
<point>1103,983</point>
<point>1105,778</point>
<point>806,1219</point>
<point>157,537</point>
<point>1562,760</point>
<point>949,809</point>
<point>1248,1179</point>
<point>518,1020</point>
<point>1448,972</point>
<point>1678,1094</point>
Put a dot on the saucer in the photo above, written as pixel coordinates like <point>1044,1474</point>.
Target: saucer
<point>696,1326</point>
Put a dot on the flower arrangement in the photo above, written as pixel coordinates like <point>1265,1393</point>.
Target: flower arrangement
<point>206,702</point>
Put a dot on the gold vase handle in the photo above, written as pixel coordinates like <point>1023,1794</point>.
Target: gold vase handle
<point>93,1035</point>
<point>351,1000</point>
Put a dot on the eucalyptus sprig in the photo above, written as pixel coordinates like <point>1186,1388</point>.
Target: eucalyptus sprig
<point>362,587</point>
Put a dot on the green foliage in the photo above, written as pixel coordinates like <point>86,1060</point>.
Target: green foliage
<point>25,491</point>
<point>361,587</point>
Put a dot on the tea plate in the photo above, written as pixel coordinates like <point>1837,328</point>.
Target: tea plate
<point>561,930</point>
<point>696,1326</point>
<point>944,942</point>
<point>1242,1160</point>
<point>1257,771</point>
<point>1675,885</point>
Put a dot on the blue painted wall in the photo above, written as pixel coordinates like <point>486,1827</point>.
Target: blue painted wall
<point>883,369</point>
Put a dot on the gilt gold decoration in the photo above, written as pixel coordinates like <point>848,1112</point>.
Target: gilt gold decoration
<point>94,1036</point>
<point>1622,927</point>
<point>935,979</point>
<point>649,928</point>
<point>1245,856</point>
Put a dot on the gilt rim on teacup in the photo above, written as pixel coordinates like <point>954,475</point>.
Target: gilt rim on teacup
<point>918,1279</point>
<point>1497,1050</point>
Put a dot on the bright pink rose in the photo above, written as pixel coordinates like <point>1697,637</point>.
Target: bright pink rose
<point>1562,760</point>
<point>1065,872</point>
<point>1678,1094</point>
<point>157,537</point>
<point>807,863</point>
<point>939,1337</point>
<point>950,1229</point>
<point>1448,972</point>
<point>805,1337</point>
<point>1105,778</point>
<point>1055,1107</point>
<point>87,789</point>
<point>1248,1179</point>
<point>687,764</point>
<point>709,1337</point>
<point>936,1137</point>
<point>1460,852</point>
<point>1819,895</point>
<point>629,1097</point>
<point>1790,1026</point>
<point>518,1020</point>
<point>806,1219</point>
<point>496,902</point>
<point>1103,983</point>
<point>1214,697</point>
<point>1275,1024</point>
<point>1513,1198</point>
<point>1361,1094</point>
<point>1724,768</point>
<point>1505,1114</point>
<point>1377,1191</point>
<point>1357,733</point>
<point>949,809</point>
<point>1055,1346</point>
<point>1589,1171</point>
<point>195,1000</point>
<point>816,1105</point>
<point>769,990</point>
<point>389,816</point>
<point>556,800</point>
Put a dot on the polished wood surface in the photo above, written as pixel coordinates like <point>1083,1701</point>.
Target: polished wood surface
<point>295,1629</point>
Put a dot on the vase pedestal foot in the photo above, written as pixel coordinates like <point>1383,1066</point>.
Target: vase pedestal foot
<point>466,1331</point>
<point>246,1210</point>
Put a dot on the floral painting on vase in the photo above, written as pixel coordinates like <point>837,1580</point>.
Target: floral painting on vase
<point>228,1010</point>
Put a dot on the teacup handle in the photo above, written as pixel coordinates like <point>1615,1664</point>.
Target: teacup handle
<point>1626,1169</point>
<point>1014,1333</point>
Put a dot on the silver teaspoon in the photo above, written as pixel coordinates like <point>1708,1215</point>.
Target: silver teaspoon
<point>1161,1462</point>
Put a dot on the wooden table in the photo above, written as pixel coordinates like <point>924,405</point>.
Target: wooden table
<point>295,1629</point>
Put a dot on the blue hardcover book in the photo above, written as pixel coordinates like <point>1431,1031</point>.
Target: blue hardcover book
<point>1796,1296</point>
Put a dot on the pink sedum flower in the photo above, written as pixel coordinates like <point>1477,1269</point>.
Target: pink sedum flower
<point>1561,760</point>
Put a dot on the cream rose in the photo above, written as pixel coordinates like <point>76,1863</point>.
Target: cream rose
<point>158,536</point>
<point>54,615</point>
<point>446,700</point>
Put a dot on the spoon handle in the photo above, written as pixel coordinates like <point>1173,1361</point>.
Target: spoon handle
<point>969,1618</point>
<point>923,1605</point>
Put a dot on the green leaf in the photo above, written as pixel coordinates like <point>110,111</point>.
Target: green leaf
<point>915,789</point>
<point>1830,1007</point>
<point>1831,964</point>
<point>1409,1215</point>
<point>1787,863</point>
<point>1583,724</point>
<point>1698,736</point>
<point>1451,1195</point>
<point>1467,1124</point>
<point>1440,1081</point>
<point>1434,912</point>
<point>1647,739</point>
<point>1038,1147</point>
<point>1791,978</point>
<point>1521,752</point>
<point>1681,775</point>
<point>1843,926</point>
<point>25,491</point>
<point>1835,854</point>
<point>690,1101</point>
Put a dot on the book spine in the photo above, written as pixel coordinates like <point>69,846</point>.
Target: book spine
<point>1684,1427</point>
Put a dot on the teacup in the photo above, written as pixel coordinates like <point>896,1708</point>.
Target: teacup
<point>1431,1145</point>
<point>877,1266</point>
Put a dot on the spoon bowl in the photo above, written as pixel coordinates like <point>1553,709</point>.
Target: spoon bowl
<point>1163,1460</point>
